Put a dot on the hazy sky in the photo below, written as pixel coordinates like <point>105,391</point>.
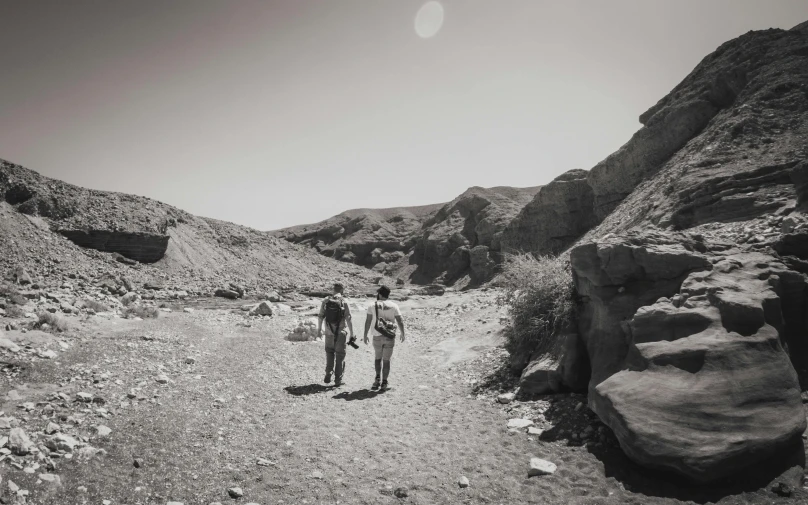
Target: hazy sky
<point>275,113</point>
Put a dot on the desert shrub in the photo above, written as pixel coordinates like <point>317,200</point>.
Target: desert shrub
<point>141,312</point>
<point>95,306</point>
<point>14,311</point>
<point>56,322</point>
<point>17,299</point>
<point>539,295</point>
<point>12,295</point>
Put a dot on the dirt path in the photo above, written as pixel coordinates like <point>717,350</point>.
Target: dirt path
<point>251,394</point>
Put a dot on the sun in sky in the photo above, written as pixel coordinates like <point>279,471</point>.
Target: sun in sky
<point>429,19</point>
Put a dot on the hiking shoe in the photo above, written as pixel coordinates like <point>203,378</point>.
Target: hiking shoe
<point>376,383</point>
<point>384,386</point>
<point>327,379</point>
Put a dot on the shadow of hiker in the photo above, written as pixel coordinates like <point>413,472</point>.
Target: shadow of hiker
<point>362,394</point>
<point>570,422</point>
<point>308,389</point>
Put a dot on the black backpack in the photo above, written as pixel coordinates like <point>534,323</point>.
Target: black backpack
<point>334,312</point>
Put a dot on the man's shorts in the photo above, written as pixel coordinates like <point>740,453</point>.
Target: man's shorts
<point>383,347</point>
<point>335,344</point>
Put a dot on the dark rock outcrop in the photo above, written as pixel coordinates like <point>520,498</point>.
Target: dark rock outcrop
<point>142,247</point>
<point>685,348</point>
<point>557,216</point>
<point>444,242</point>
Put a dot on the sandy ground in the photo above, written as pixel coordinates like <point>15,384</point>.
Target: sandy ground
<point>249,393</point>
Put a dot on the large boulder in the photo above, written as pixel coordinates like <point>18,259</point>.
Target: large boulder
<point>540,377</point>
<point>227,293</point>
<point>618,275</point>
<point>262,309</point>
<point>685,349</point>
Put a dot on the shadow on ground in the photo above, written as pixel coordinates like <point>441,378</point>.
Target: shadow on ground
<point>501,378</point>
<point>362,394</point>
<point>568,423</point>
<point>308,389</point>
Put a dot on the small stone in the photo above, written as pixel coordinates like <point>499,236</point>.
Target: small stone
<point>401,492</point>
<point>532,430</point>
<point>84,397</point>
<point>519,423</point>
<point>579,406</point>
<point>235,492</point>
<point>61,442</point>
<point>50,478</point>
<point>265,462</point>
<point>138,462</point>
<point>103,431</point>
<point>317,474</point>
<point>506,398</point>
<point>12,486</point>
<point>190,360</point>
<point>162,379</point>
<point>52,428</point>
<point>463,482</point>
<point>18,442</point>
<point>540,466</point>
<point>781,489</point>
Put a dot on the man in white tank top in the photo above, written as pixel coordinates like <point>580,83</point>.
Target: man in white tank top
<point>383,310</point>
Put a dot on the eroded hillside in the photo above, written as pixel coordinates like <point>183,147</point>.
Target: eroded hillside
<point>50,228</point>
<point>459,240</point>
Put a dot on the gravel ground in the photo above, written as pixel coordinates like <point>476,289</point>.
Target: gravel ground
<point>199,403</point>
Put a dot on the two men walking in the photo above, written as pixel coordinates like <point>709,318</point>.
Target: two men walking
<point>384,316</point>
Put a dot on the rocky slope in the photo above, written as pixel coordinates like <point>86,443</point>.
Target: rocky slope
<point>53,229</point>
<point>726,145</point>
<point>442,242</point>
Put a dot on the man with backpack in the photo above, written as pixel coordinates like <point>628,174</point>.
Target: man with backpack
<point>384,313</point>
<point>336,313</point>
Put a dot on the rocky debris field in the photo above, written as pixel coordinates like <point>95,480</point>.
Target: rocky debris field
<point>208,404</point>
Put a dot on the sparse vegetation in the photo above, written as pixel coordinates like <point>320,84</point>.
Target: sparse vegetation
<point>141,312</point>
<point>12,295</point>
<point>55,321</point>
<point>539,295</point>
<point>95,306</point>
<point>17,299</point>
<point>14,311</point>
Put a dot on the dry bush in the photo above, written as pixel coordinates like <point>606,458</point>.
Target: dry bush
<point>14,311</point>
<point>17,299</point>
<point>539,294</point>
<point>141,312</point>
<point>55,321</point>
<point>95,306</point>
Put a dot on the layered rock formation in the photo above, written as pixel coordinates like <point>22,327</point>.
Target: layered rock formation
<point>142,247</point>
<point>464,236</point>
<point>686,345</point>
<point>444,242</point>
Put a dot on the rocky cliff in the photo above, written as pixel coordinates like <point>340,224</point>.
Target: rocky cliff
<point>444,242</point>
<point>689,251</point>
<point>725,145</point>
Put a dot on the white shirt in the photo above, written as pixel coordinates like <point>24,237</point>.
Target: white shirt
<point>387,310</point>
